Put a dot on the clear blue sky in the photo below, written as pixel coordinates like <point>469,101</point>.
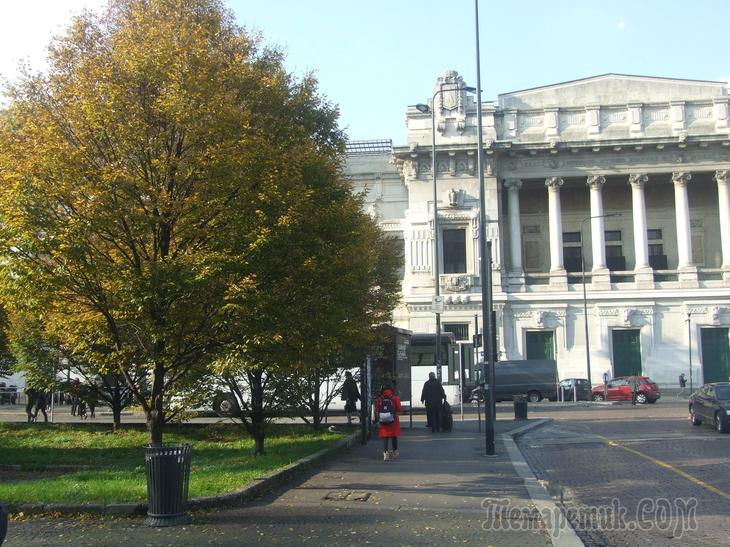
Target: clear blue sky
<point>375,57</point>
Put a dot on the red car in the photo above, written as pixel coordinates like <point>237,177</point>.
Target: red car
<point>619,389</point>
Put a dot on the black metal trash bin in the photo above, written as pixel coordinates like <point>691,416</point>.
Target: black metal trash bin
<point>168,473</point>
<point>520,404</point>
<point>3,523</point>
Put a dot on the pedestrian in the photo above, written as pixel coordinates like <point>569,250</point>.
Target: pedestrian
<point>433,396</point>
<point>41,403</point>
<point>30,397</point>
<point>682,385</point>
<point>388,409</point>
<point>351,395</point>
<point>634,385</point>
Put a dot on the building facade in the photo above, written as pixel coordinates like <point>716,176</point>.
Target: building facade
<point>624,178</point>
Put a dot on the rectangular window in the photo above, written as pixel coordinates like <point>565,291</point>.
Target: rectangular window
<point>653,235</point>
<point>614,250</point>
<point>533,255</point>
<point>454,251</point>
<point>571,237</point>
<point>656,249</point>
<point>572,259</point>
<point>459,330</point>
<point>613,235</point>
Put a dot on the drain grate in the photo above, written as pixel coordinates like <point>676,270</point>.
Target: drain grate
<point>347,495</point>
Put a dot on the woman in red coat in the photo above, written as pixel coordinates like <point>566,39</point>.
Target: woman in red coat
<point>388,409</point>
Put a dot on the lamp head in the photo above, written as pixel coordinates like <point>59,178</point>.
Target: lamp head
<point>470,89</point>
<point>423,108</point>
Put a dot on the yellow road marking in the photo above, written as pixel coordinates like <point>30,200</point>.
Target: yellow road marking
<point>669,466</point>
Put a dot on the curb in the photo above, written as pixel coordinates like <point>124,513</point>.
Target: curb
<point>560,530</point>
<point>255,489</point>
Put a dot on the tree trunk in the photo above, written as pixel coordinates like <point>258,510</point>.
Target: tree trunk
<point>317,413</point>
<point>255,380</point>
<point>116,407</point>
<point>156,414</point>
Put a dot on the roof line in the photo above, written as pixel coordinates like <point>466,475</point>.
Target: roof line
<point>612,74</point>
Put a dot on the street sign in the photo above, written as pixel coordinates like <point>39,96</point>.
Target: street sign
<point>437,304</point>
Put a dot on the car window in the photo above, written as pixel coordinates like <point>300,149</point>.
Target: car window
<point>722,392</point>
<point>565,383</point>
<point>710,391</point>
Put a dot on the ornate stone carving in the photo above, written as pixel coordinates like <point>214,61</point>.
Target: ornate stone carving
<point>681,178</point>
<point>456,198</point>
<point>456,283</point>
<point>715,313</point>
<point>554,182</point>
<point>638,179</point>
<point>595,181</point>
<point>450,100</point>
<point>513,184</point>
<point>722,176</point>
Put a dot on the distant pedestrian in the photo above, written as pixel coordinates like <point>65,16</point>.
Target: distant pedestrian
<point>41,403</point>
<point>351,395</point>
<point>433,396</point>
<point>682,385</point>
<point>30,397</point>
<point>634,385</point>
<point>388,409</point>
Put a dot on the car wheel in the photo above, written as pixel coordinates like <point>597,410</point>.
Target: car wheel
<point>534,396</point>
<point>641,398</point>
<point>719,424</point>
<point>693,417</point>
<point>597,397</point>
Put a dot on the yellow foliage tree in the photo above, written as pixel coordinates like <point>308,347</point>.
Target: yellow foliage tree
<point>170,195</point>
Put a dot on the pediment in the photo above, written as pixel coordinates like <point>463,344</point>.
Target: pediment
<point>610,89</point>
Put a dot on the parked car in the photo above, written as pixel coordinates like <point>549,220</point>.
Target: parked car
<point>535,379</point>
<point>619,389</point>
<point>568,387</point>
<point>711,403</point>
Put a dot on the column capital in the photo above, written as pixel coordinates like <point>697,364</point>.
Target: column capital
<point>513,184</point>
<point>595,181</point>
<point>638,179</point>
<point>681,178</point>
<point>722,177</point>
<point>554,182</point>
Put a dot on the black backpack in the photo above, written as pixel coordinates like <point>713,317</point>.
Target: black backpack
<point>386,410</point>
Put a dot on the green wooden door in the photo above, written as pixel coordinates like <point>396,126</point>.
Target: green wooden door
<point>715,355</point>
<point>540,344</point>
<point>626,352</point>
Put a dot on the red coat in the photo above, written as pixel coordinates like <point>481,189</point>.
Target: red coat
<point>391,429</point>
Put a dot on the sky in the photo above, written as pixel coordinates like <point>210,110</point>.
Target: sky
<point>374,58</point>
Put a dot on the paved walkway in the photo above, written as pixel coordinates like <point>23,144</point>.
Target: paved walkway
<point>433,494</point>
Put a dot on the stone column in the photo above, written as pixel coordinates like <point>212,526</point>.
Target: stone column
<point>723,199</point>
<point>515,231</point>
<point>558,274</point>
<point>600,277</point>
<point>643,273</point>
<point>686,270</point>
<point>681,210</point>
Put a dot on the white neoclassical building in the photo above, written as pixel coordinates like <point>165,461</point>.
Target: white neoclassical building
<point>625,177</point>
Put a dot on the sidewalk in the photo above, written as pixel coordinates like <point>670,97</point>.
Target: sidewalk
<point>432,494</point>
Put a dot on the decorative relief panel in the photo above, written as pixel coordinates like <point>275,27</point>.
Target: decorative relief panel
<point>527,121</point>
<point>568,119</point>
<point>611,116</point>
<point>655,114</point>
<point>456,282</point>
<point>702,113</point>
<point>421,250</point>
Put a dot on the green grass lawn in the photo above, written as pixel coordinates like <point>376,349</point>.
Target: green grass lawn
<point>222,461</point>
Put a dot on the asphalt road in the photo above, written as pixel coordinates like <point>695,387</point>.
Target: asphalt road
<point>634,475</point>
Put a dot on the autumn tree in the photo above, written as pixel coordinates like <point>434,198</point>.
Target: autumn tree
<point>162,190</point>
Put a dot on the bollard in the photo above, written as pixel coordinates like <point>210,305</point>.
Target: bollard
<point>520,406</point>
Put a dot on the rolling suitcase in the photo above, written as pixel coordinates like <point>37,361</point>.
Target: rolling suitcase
<point>447,418</point>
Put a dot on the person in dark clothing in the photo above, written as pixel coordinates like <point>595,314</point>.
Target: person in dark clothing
<point>351,395</point>
<point>432,396</point>
<point>634,385</point>
<point>682,385</point>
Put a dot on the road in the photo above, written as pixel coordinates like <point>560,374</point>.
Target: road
<point>634,475</point>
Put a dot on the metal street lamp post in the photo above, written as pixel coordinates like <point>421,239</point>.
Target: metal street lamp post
<point>689,348</point>
<point>436,303</point>
<point>585,301</point>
